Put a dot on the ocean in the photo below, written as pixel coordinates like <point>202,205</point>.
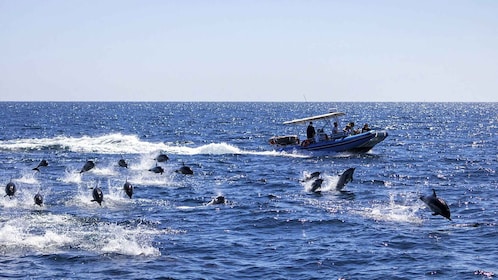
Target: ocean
<point>271,226</point>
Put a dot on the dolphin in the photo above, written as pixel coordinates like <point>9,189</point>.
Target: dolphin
<point>346,177</point>
<point>316,185</point>
<point>437,205</point>
<point>217,200</point>
<point>157,169</point>
<point>10,189</point>
<point>128,188</point>
<point>38,199</point>
<point>42,163</point>
<point>88,165</point>
<point>311,176</point>
<point>185,170</point>
<point>123,163</point>
<point>161,158</point>
<point>98,196</point>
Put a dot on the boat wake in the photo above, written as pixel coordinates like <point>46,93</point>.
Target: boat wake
<point>117,143</point>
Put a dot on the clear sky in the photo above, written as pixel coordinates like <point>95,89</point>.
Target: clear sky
<point>254,50</point>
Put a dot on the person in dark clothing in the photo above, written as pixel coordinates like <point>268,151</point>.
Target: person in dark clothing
<point>310,132</point>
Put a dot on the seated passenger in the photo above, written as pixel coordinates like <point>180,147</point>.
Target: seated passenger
<point>353,131</point>
<point>347,130</point>
<point>365,128</point>
<point>322,136</point>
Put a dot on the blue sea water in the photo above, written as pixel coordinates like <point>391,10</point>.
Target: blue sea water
<point>271,227</point>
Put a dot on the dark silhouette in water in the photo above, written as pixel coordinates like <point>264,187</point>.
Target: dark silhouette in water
<point>316,185</point>
<point>43,163</point>
<point>38,199</point>
<point>123,163</point>
<point>185,170</point>
<point>88,165</point>
<point>128,188</point>
<point>311,176</point>
<point>98,196</point>
<point>157,169</point>
<point>162,158</point>
<point>437,205</point>
<point>217,200</point>
<point>10,189</point>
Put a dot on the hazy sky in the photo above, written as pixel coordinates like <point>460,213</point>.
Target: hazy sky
<point>254,50</point>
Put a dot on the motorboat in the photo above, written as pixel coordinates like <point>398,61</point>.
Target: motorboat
<point>325,140</point>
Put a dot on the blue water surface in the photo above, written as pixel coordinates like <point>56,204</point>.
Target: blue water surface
<point>271,226</point>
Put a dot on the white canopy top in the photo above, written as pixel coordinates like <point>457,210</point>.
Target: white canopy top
<point>316,118</point>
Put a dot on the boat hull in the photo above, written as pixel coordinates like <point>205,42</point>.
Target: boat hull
<point>361,143</point>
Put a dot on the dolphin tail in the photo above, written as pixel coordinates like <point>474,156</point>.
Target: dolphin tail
<point>36,169</point>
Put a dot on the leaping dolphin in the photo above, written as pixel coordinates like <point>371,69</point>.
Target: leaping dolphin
<point>88,165</point>
<point>42,163</point>
<point>98,196</point>
<point>128,188</point>
<point>10,189</point>
<point>162,158</point>
<point>316,185</point>
<point>185,170</point>
<point>346,177</point>
<point>311,176</point>
<point>123,163</point>
<point>157,169</point>
<point>38,199</point>
<point>437,205</point>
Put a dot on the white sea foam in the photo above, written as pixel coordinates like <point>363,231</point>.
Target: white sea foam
<point>28,178</point>
<point>329,182</point>
<point>49,233</point>
<point>392,211</point>
<point>117,143</point>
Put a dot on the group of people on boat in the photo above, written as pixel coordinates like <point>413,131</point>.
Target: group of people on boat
<point>347,131</point>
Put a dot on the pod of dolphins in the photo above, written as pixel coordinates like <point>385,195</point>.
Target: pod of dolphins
<point>436,204</point>
<point>97,194</point>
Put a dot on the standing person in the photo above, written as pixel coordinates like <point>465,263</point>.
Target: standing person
<point>335,130</point>
<point>310,132</point>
